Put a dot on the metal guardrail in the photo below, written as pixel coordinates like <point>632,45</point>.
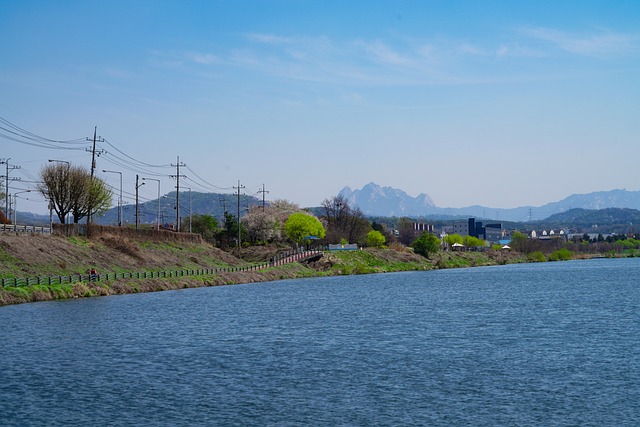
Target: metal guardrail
<point>75,278</point>
<point>15,228</point>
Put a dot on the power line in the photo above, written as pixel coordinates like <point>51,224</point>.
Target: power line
<point>32,136</point>
<point>7,179</point>
<point>117,158</point>
<point>263,191</point>
<point>135,160</point>
<point>239,187</point>
<point>206,184</point>
<point>93,163</point>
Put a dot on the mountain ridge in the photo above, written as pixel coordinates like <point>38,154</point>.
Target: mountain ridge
<point>376,200</point>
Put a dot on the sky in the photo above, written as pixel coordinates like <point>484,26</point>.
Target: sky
<point>496,103</point>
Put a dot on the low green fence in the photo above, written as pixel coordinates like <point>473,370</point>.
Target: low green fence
<point>74,278</point>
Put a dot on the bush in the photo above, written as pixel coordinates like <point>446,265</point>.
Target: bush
<point>426,244</point>
<point>375,239</point>
<point>536,256</point>
<point>561,255</point>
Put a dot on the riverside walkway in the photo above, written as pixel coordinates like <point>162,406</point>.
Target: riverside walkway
<point>281,259</point>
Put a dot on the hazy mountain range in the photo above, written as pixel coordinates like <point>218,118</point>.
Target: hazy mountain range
<point>375,200</point>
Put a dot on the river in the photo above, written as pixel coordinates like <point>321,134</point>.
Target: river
<point>531,344</point>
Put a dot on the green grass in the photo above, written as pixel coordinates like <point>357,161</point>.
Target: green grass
<point>536,256</point>
<point>365,262</point>
<point>77,240</point>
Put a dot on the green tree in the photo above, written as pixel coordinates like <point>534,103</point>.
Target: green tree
<point>229,233</point>
<point>98,199</point>
<point>426,244</point>
<point>452,239</point>
<point>300,225</point>
<point>473,242</point>
<point>204,225</point>
<point>375,239</point>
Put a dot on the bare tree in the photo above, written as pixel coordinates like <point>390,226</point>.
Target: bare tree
<point>343,221</point>
<point>406,233</point>
<point>71,190</point>
<point>56,186</point>
<point>3,217</point>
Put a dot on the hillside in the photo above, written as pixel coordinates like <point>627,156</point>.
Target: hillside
<point>30,256</point>
<point>610,220</point>
<point>35,254</point>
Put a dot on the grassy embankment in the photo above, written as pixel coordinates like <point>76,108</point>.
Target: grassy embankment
<point>30,256</point>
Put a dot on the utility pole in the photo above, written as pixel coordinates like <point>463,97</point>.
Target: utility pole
<point>93,163</point>
<point>190,213</point>
<point>6,181</point>
<point>158,215</point>
<point>137,210</point>
<point>177,177</point>
<point>120,198</point>
<point>263,191</point>
<point>239,234</point>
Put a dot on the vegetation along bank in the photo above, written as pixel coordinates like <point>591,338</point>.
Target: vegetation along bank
<point>118,260</point>
<point>31,256</point>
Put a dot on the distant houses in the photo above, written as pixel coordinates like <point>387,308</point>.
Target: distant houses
<point>494,233</point>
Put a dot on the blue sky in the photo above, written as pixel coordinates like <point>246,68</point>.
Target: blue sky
<point>498,103</point>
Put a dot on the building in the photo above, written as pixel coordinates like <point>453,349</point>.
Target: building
<point>491,232</point>
<point>421,227</point>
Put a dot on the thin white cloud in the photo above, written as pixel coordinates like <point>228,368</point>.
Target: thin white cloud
<point>201,58</point>
<point>380,62</point>
<point>469,49</point>
<point>517,51</point>
<point>269,39</point>
<point>381,53</point>
<point>603,44</point>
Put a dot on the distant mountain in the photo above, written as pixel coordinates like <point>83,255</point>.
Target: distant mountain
<point>375,200</point>
<point>213,204</point>
<point>617,220</point>
<point>598,200</point>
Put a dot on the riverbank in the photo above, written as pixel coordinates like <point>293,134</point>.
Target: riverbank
<point>22,256</point>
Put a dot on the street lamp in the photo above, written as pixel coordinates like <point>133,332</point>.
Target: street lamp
<point>189,207</point>
<point>68,183</point>
<point>15,207</point>
<point>158,214</point>
<point>120,199</point>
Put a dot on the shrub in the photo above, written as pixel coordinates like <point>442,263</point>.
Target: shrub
<point>561,255</point>
<point>426,244</point>
<point>375,239</point>
<point>536,256</point>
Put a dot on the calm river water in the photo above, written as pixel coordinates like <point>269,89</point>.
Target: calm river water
<point>536,344</point>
